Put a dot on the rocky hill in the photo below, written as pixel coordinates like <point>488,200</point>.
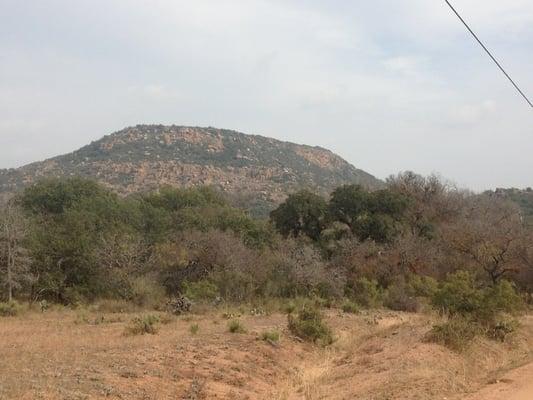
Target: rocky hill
<point>255,171</point>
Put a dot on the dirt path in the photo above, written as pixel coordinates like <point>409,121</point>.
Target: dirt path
<point>515,385</point>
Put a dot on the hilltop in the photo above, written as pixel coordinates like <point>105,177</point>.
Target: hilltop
<point>256,171</point>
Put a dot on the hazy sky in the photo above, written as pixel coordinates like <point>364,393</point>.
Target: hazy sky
<point>390,85</point>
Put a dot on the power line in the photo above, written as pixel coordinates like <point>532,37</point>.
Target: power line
<point>489,53</point>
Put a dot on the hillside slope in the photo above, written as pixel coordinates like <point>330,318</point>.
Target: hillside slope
<point>258,171</point>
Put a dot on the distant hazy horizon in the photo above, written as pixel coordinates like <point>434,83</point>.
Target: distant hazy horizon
<point>389,86</point>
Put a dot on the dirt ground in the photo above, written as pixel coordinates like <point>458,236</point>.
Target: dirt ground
<point>377,355</point>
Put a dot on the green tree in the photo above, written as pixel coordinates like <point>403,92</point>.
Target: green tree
<point>370,215</point>
<point>14,258</point>
<point>302,213</point>
<point>348,203</point>
<point>73,220</point>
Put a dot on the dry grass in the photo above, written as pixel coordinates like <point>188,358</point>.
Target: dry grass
<point>376,355</point>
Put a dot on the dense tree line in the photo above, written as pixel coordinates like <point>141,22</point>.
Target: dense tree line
<point>73,240</point>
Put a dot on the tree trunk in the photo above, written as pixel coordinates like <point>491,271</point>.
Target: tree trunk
<point>10,265</point>
<point>9,273</point>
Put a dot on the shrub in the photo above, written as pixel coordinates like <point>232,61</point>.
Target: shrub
<point>146,292</point>
<point>290,307</point>
<point>455,334</point>
<point>10,309</point>
<point>503,297</point>
<point>322,302</point>
<point>400,297</point>
<point>200,290</point>
<point>142,325</point>
<point>194,328</point>
<point>236,326</point>
<point>473,310</point>
<point>501,329</point>
<point>422,286</point>
<point>350,307</point>
<point>460,295</point>
<point>365,292</point>
<point>270,336</point>
<point>308,325</point>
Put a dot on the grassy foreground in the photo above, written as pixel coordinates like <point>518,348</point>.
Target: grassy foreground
<point>91,354</point>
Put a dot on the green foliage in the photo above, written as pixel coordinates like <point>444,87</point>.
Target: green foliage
<point>73,220</point>
<point>86,243</point>
<point>349,307</point>
<point>144,324</point>
<point>272,336</point>
<point>174,199</point>
<point>370,215</point>
<point>290,307</point>
<point>10,309</point>
<point>422,286</point>
<point>348,203</point>
<point>309,325</point>
<point>473,310</point>
<point>236,326</point>
<point>301,213</point>
<point>200,290</point>
<point>174,210</point>
<point>503,297</point>
<point>55,196</point>
<point>461,295</point>
<point>365,292</point>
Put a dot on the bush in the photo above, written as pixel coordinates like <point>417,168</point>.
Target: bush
<point>10,309</point>
<point>308,325</point>
<point>503,297</point>
<point>143,325</point>
<point>501,329</point>
<point>146,292</point>
<point>365,292</point>
<point>270,336</point>
<point>350,307</point>
<point>460,295</point>
<point>456,333</point>
<point>400,297</point>
<point>200,290</point>
<point>422,286</point>
<point>236,326</point>
<point>474,310</point>
<point>290,307</point>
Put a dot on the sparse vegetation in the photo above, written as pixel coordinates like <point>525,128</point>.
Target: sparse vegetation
<point>350,307</point>
<point>9,309</point>
<point>236,326</point>
<point>144,324</point>
<point>309,325</point>
<point>365,292</point>
<point>474,310</point>
<point>271,336</point>
<point>415,244</point>
<point>194,328</point>
<point>456,333</point>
